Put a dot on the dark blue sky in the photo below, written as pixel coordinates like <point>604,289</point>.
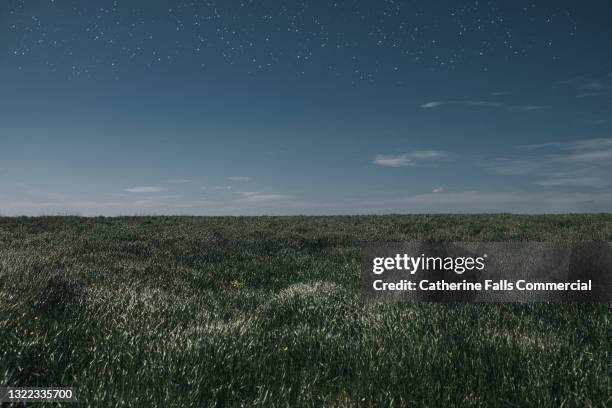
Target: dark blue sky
<point>287,107</point>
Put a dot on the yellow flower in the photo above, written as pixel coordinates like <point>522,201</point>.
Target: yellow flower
<point>35,317</point>
<point>235,283</point>
<point>31,333</point>
<point>285,348</point>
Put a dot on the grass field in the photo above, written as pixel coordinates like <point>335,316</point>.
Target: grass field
<point>192,311</point>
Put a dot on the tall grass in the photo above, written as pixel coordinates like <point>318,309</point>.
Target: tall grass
<point>192,311</point>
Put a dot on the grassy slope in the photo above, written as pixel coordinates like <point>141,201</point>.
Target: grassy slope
<point>139,311</point>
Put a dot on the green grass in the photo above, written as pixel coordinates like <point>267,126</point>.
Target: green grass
<point>141,312</point>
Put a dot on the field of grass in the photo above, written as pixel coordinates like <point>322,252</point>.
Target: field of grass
<point>194,311</point>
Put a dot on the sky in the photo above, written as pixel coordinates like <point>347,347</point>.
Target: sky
<point>304,107</point>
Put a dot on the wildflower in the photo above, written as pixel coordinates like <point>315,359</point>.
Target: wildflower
<point>285,348</point>
<point>31,333</point>
<point>35,317</point>
<point>235,283</point>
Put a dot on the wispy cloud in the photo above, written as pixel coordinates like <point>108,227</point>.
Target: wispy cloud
<point>409,159</point>
<point>247,193</point>
<point>572,181</point>
<point>256,196</point>
<point>527,108</point>
<point>240,178</point>
<point>577,150</point>
<point>435,104</point>
<point>492,202</point>
<point>223,187</point>
<point>144,189</point>
<point>581,163</point>
<point>589,86</point>
<point>488,104</point>
<point>260,203</point>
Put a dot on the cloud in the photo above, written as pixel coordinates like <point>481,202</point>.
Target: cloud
<point>223,187</point>
<point>578,150</point>
<point>523,202</point>
<point>408,159</point>
<point>594,85</point>
<point>580,163</point>
<point>588,86</point>
<point>516,167</point>
<point>144,189</point>
<point>180,181</point>
<point>435,104</point>
<point>427,154</point>
<point>589,144</point>
<point>431,104</point>
<point>240,178</point>
<point>392,161</point>
<point>573,181</point>
<point>255,196</point>
<point>489,104</point>
<point>600,155</point>
<point>247,193</point>
<point>527,108</point>
<point>264,203</point>
<point>438,190</point>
